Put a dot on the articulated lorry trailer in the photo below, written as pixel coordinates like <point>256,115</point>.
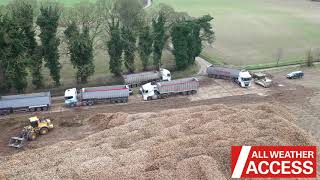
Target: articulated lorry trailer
<point>90,96</point>
<point>241,77</point>
<point>25,102</point>
<point>137,79</point>
<point>165,89</point>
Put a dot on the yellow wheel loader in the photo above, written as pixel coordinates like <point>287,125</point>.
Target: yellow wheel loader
<point>29,133</point>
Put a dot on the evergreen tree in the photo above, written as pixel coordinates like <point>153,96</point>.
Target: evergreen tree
<point>23,13</point>
<point>145,46</point>
<point>159,38</point>
<point>187,37</point>
<point>48,23</point>
<point>13,54</point>
<point>115,49</point>
<point>129,47</point>
<point>180,36</point>
<point>81,52</point>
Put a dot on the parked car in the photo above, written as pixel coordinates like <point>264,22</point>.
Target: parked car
<point>295,75</point>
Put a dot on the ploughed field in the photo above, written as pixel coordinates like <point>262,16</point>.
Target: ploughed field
<point>187,143</point>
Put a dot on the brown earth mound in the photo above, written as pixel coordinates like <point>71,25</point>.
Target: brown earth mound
<point>191,143</point>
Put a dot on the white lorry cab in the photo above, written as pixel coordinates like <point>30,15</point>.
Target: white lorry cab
<point>244,79</point>
<point>70,97</point>
<point>148,91</point>
<point>166,75</point>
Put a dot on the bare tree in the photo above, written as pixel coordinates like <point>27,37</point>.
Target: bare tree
<point>309,60</point>
<point>279,55</point>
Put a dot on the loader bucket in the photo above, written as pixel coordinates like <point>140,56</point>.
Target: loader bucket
<point>17,142</point>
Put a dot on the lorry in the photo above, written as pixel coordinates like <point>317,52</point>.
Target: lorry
<point>241,77</point>
<point>164,89</point>
<point>295,75</point>
<point>25,103</point>
<point>91,95</point>
<point>137,79</point>
<point>262,79</point>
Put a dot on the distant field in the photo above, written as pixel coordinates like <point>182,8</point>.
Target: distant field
<point>252,31</point>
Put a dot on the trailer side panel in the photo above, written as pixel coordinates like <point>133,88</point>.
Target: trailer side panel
<point>139,78</point>
<point>104,92</point>
<point>222,72</point>
<point>25,101</point>
<point>177,86</point>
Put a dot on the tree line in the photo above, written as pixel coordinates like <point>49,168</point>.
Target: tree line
<point>30,38</point>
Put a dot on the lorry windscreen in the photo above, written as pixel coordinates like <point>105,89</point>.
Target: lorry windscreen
<point>246,79</point>
<point>68,97</point>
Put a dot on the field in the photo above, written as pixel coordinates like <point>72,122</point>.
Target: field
<point>252,31</point>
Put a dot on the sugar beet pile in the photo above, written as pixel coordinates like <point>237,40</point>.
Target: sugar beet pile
<point>191,143</point>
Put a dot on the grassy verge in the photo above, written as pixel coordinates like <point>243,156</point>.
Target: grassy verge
<point>190,71</point>
<point>273,65</point>
<point>212,59</point>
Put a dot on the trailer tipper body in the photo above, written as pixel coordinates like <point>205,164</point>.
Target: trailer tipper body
<point>25,102</point>
<point>137,79</point>
<point>92,95</point>
<point>241,77</point>
<point>164,89</point>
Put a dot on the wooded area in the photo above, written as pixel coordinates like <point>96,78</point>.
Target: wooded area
<point>29,38</point>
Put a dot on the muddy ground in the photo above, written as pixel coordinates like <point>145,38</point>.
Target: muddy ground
<point>300,97</point>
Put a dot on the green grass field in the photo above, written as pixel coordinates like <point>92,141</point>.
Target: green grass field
<point>252,31</point>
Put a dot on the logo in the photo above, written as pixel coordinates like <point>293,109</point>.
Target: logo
<point>274,161</point>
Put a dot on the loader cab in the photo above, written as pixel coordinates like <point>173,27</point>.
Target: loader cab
<point>34,122</point>
<point>244,79</point>
<point>148,91</point>
<point>166,75</point>
<point>70,97</point>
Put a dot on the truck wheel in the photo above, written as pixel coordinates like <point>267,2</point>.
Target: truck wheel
<point>90,103</point>
<point>45,108</point>
<point>193,92</point>
<point>32,136</point>
<point>44,131</point>
<point>32,110</point>
<point>148,98</point>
